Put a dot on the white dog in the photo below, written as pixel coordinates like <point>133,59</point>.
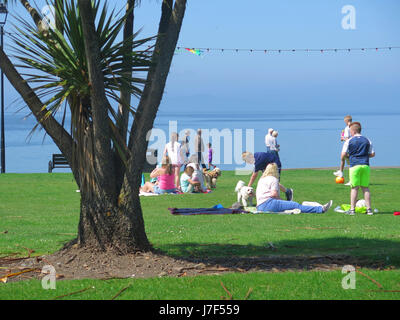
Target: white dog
<point>245,194</point>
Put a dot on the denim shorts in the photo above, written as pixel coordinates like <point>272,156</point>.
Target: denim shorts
<point>157,190</point>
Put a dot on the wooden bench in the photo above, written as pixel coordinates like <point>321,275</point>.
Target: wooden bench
<point>59,161</point>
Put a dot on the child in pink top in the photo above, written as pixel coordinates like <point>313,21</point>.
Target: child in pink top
<point>166,181</point>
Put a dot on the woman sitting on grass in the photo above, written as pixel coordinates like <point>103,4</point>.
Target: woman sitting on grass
<point>165,177</point>
<point>268,195</point>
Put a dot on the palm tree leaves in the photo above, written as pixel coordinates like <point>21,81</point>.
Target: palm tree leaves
<point>55,61</point>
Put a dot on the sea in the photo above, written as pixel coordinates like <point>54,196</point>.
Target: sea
<point>306,139</point>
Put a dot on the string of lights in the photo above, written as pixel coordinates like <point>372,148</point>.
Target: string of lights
<point>198,51</point>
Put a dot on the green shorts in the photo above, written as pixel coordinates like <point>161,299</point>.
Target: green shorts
<point>359,176</point>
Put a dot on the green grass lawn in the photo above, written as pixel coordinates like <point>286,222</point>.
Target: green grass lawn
<point>41,212</point>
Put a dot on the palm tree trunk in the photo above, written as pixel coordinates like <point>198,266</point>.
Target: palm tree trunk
<point>123,108</point>
<point>170,25</point>
<point>127,66</point>
<point>169,29</point>
<point>108,219</point>
<point>166,12</point>
<point>102,156</point>
<point>118,228</point>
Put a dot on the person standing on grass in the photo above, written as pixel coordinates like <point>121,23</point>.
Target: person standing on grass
<point>260,161</point>
<point>199,148</point>
<point>268,138</point>
<point>210,156</point>
<point>274,142</point>
<point>344,137</point>
<point>268,197</point>
<point>187,137</point>
<point>173,150</point>
<point>358,149</point>
<point>184,153</point>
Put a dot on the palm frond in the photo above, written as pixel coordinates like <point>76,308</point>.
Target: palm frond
<point>55,65</point>
<point>58,59</point>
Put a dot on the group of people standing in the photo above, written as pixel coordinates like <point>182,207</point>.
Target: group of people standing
<point>270,140</point>
<point>356,150</point>
<point>167,179</point>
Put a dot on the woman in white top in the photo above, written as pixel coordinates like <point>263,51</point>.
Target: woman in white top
<point>268,139</point>
<point>268,195</point>
<point>173,150</point>
<point>274,142</point>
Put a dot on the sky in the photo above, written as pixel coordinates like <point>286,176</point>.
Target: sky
<point>300,81</point>
<point>264,85</point>
<point>289,80</point>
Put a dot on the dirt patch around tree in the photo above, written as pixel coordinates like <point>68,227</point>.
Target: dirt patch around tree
<point>77,263</point>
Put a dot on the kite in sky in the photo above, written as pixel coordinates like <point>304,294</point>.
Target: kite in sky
<point>194,51</point>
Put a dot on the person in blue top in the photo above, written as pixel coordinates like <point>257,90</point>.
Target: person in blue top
<point>260,161</point>
<point>358,149</point>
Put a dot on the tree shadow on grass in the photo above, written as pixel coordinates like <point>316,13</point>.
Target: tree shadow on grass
<point>326,253</point>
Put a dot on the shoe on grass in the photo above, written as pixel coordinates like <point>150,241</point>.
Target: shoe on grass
<point>350,212</point>
<point>338,173</point>
<point>370,212</point>
<point>327,206</point>
<point>289,194</point>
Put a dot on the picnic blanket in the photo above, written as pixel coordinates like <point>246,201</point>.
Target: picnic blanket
<point>150,194</point>
<point>198,211</point>
<point>219,209</point>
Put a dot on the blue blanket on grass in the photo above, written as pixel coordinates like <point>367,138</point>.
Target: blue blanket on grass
<point>198,211</point>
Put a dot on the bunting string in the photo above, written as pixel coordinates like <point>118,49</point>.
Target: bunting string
<point>200,51</point>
